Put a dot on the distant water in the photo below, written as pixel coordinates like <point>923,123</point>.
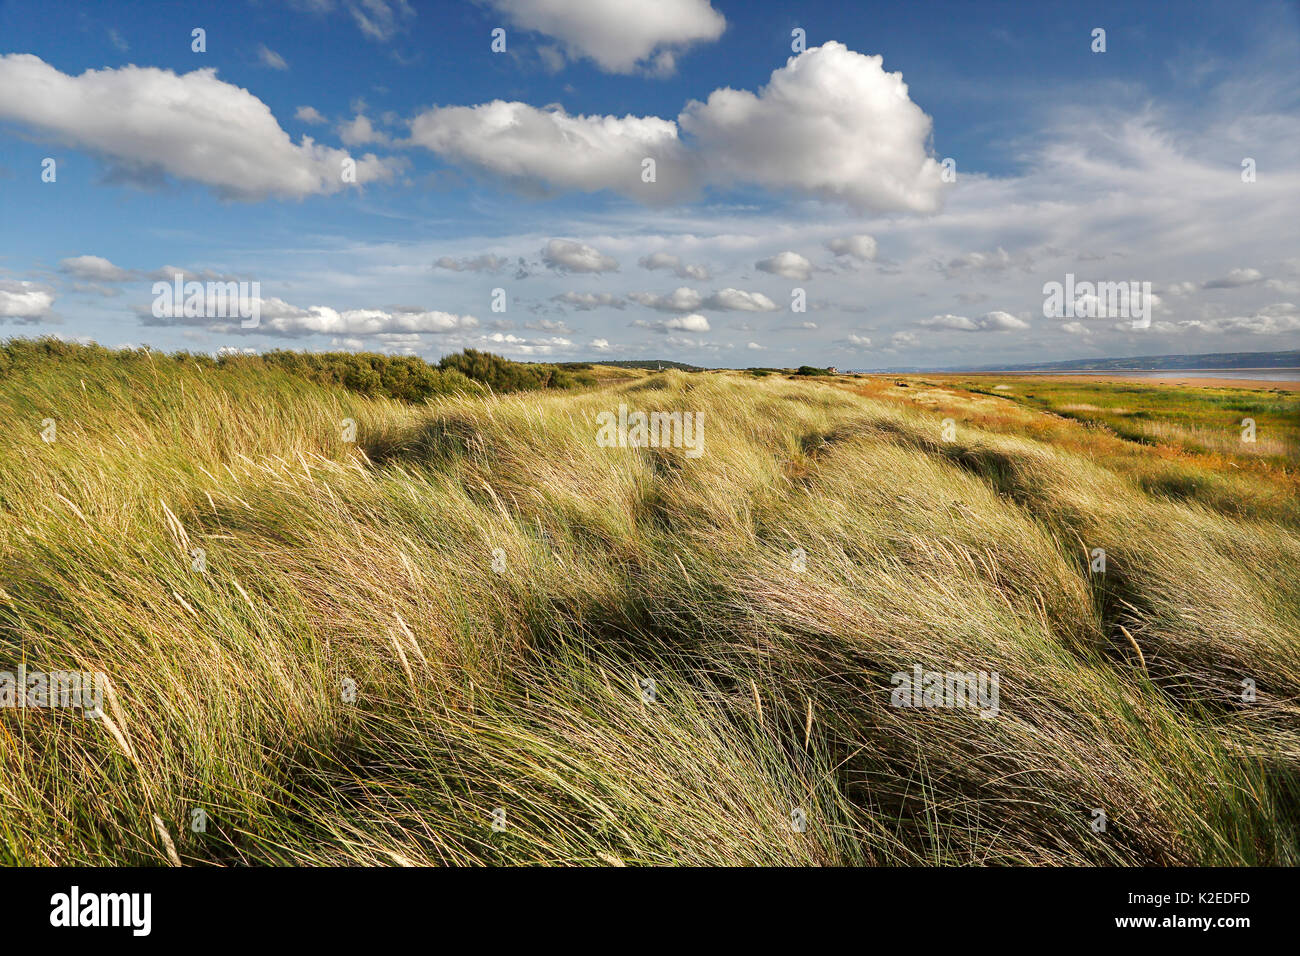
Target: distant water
<point>1254,374</point>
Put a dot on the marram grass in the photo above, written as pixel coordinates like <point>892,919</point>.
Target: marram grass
<point>474,615</point>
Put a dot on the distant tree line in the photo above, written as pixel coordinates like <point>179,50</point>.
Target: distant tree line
<point>403,377</point>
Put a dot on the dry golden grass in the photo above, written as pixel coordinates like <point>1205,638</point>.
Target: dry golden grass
<point>526,688</point>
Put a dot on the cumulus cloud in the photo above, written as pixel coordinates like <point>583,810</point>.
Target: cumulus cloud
<point>736,300</point>
<point>600,345</point>
<point>989,322</point>
<point>540,150</point>
<point>901,340</point>
<point>832,124</point>
<point>483,263</point>
<point>788,265</point>
<point>678,323</point>
<point>1274,319</point>
<point>94,269</point>
<point>360,131</point>
<point>675,265</point>
<point>688,300</point>
<point>958,322</point>
<point>97,269</point>
<point>24,300</point>
<point>550,325</point>
<point>1001,322</point>
<point>1235,279</point>
<point>510,344</point>
<point>679,300</point>
<point>997,261</point>
<point>586,301</point>
<point>862,248</point>
<point>567,255</point>
<point>150,123</point>
<point>278,317</point>
<point>618,40</point>
<point>309,114</point>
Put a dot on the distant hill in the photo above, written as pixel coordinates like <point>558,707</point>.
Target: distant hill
<point>640,363</point>
<point>1213,360</point>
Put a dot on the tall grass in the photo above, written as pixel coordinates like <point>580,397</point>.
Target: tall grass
<point>612,647</point>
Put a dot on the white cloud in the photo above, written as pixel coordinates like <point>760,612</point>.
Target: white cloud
<point>543,150</point>
<point>862,248</point>
<point>996,261</point>
<point>678,323</point>
<point>1075,328</point>
<point>278,317</point>
<point>688,300</point>
<point>619,39</point>
<point>688,323</point>
<point>268,57</point>
<point>859,341</point>
<point>360,131</point>
<point>736,300</point>
<point>600,345</point>
<point>755,347</point>
<point>674,264</point>
<point>484,263</point>
<point>93,269</point>
<point>380,19</point>
<point>309,114</point>
<point>1270,320</point>
<point>567,255</point>
<point>24,300</point>
<point>989,322</point>
<point>832,124</point>
<point>900,340</point>
<point>788,265</point>
<point>1235,279</point>
<point>151,122</point>
<point>550,325</point>
<point>586,301</point>
<point>682,299</point>
<point>1001,322</point>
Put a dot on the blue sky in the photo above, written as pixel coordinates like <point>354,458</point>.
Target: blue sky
<point>820,171</point>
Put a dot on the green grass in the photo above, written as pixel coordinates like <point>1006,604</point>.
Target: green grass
<point>1203,420</point>
<point>375,562</point>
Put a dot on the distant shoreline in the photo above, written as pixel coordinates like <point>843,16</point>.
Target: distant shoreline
<point>1286,379</point>
<point>1119,371</point>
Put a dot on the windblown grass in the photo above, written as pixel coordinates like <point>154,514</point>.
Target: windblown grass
<point>648,679</point>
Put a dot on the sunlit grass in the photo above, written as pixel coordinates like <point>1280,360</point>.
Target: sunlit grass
<point>500,591</point>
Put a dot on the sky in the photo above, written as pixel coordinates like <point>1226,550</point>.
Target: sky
<point>749,183</point>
